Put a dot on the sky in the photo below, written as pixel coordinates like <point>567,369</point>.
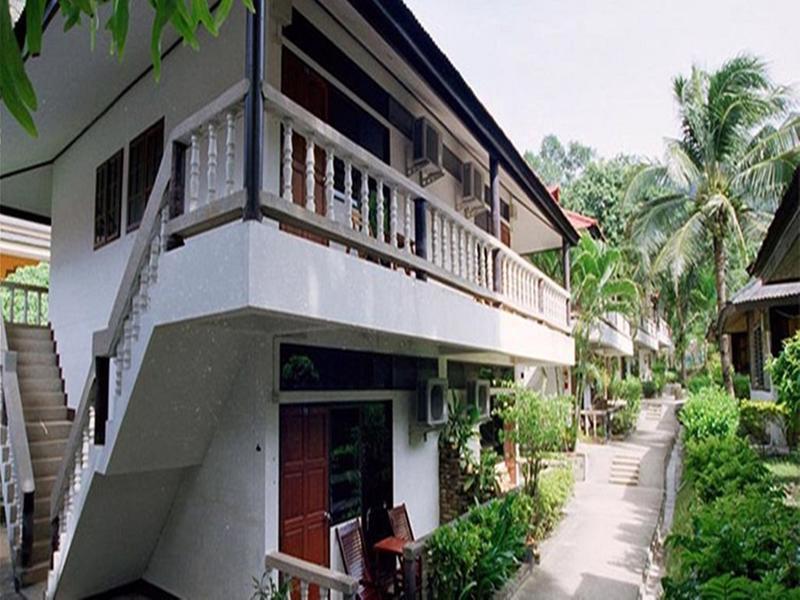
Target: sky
<point>600,71</point>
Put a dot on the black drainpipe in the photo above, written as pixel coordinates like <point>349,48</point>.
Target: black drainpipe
<point>254,111</point>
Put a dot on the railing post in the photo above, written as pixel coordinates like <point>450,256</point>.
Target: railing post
<point>254,111</point>
<point>177,180</point>
<point>101,402</point>
<point>494,190</point>
<point>421,231</point>
<point>409,576</point>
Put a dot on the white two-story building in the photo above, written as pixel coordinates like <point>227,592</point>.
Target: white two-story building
<point>267,268</point>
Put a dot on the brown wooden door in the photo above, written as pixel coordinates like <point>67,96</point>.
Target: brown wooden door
<point>304,526</point>
<point>310,90</point>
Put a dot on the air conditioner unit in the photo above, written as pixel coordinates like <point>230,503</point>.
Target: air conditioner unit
<point>432,402</point>
<point>479,396</point>
<point>472,199</point>
<point>426,152</point>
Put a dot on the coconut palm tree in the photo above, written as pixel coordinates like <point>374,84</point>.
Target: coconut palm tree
<point>599,286</point>
<point>720,182</point>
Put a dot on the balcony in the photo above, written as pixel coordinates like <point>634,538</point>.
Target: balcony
<point>611,336</point>
<point>664,334</point>
<point>647,334</point>
<point>342,212</point>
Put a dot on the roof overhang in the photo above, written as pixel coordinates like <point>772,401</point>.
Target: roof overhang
<point>396,24</point>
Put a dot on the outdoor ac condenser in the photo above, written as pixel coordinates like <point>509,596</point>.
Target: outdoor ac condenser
<point>432,402</point>
<point>479,396</point>
<point>426,152</point>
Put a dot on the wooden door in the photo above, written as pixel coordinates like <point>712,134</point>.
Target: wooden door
<point>304,521</point>
<point>310,90</point>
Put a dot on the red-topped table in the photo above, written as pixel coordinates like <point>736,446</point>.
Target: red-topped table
<point>390,545</point>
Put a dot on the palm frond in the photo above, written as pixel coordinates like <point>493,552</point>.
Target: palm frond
<point>684,247</point>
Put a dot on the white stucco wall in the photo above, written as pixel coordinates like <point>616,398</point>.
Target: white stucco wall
<point>84,281</point>
<point>213,542</point>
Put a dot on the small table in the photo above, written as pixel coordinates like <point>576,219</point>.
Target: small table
<point>390,545</point>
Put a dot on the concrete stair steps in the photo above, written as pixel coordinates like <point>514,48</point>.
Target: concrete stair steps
<point>41,526</point>
<point>41,507</point>
<point>38,371</point>
<point>25,345</point>
<point>47,449</point>
<point>40,384</point>
<point>39,399</point>
<point>47,466</point>
<point>35,573</point>
<point>29,332</point>
<point>34,414</point>
<point>41,551</point>
<point>630,481</point>
<point>36,358</point>
<point>44,485</point>
<point>48,430</point>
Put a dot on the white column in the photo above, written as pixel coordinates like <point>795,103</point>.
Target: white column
<point>286,160</point>
<point>310,184</point>
<point>194,173</point>
<point>329,184</point>
<point>230,151</point>
<point>211,172</point>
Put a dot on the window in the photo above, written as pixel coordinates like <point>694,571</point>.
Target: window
<point>758,358</point>
<point>144,158</point>
<point>108,200</point>
<point>361,464</point>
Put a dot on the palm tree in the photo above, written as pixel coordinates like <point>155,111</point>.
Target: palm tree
<point>720,182</point>
<point>599,286</point>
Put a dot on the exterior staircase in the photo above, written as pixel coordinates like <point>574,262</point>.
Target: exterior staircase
<point>625,470</point>
<point>47,426</point>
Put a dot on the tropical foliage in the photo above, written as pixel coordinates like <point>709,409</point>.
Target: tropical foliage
<point>710,412</point>
<point>600,286</point>
<point>785,371</point>
<point>184,18</point>
<point>719,182</point>
<point>541,426</point>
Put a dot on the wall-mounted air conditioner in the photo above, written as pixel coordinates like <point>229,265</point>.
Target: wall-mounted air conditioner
<point>432,402</point>
<point>472,190</point>
<point>479,396</point>
<point>426,152</point>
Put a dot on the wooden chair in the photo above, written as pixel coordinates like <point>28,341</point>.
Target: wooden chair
<point>401,525</point>
<point>356,563</point>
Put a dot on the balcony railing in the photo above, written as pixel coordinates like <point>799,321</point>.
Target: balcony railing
<point>619,322</point>
<point>24,303</point>
<point>389,218</point>
<point>306,576</point>
<point>334,191</point>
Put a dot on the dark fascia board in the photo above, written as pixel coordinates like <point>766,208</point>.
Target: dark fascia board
<point>790,204</point>
<point>396,24</point>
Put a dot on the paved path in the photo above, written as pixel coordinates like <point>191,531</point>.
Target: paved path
<point>599,550</point>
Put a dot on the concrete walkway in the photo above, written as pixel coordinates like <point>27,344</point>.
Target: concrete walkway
<point>600,548</point>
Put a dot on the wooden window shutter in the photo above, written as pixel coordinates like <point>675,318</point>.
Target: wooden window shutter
<point>144,158</point>
<point>108,200</point>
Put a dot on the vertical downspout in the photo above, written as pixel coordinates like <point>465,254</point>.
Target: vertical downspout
<point>494,191</point>
<point>254,111</point>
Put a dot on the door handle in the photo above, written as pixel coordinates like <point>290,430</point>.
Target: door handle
<point>327,516</point>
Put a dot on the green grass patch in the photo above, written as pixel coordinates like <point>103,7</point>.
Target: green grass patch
<point>681,525</point>
<point>786,470</point>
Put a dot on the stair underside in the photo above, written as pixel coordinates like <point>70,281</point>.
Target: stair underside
<point>47,423</point>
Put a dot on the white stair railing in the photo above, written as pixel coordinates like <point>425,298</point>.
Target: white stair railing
<point>116,341</point>
<point>307,576</point>
<point>18,483</point>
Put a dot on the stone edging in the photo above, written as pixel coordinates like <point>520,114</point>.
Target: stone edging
<point>657,540</point>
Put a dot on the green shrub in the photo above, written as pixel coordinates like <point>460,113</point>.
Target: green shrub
<point>745,535</point>
<point>755,417</point>
<point>672,376</point>
<point>659,381</point>
<point>698,382</point>
<point>473,557</point>
<point>726,587</point>
<point>649,388</point>
<point>555,490</point>
<point>710,412</point>
<point>785,371</point>
<point>741,386</point>
<point>720,466</point>
<point>631,389</point>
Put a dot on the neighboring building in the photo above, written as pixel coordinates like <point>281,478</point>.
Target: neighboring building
<point>244,321</point>
<point>22,243</point>
<point>766,311</point>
